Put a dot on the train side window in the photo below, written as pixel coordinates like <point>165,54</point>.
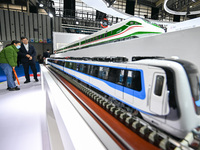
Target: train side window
<point>136,81</point>
<point>80,67</point>
<point>133,80</point>
<point>129,79</point>
<point>75,66</point>
<point>103,73</point>
<point>70,65</point>
<point>67,64</point>
<point>121,77</point>
<point>113,75</point>
<point>106,34</point>
<point>61,63</point>
<point>159,85</point>
<point>86,68</point>
<point>94,71</point>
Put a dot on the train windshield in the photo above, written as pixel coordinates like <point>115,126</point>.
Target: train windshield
<point>193,77</point>
<point>194,84</point>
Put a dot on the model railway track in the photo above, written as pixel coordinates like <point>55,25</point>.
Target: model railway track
<point>129,132</point>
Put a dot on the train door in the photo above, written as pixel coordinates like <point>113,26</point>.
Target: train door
<point>128,91</point>
<point>120,84</point>
<point>159,95</point>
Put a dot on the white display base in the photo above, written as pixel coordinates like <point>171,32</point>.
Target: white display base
<point>70,126</point>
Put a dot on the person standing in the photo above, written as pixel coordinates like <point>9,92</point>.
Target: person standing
<point>46,54</point>
<point>27,53</point>
<point>8,62</point>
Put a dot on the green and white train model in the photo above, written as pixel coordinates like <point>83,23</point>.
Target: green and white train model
<point>130,28</point>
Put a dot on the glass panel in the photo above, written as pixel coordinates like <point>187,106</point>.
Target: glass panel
<point>86,69</point>
<point>159,85</point>
<point>136,81</point>
<point>121,78</point>
<point>113,75</point>
<point>94,71</point>
<point>133,80</point>
<point>129,79</point>
<point>103,73</point>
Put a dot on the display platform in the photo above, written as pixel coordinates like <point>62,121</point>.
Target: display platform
<point>70,125</point>
<point>22,117</point>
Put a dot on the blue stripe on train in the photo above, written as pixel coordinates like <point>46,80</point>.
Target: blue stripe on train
<point>139,94</point>
<point>106,91</point>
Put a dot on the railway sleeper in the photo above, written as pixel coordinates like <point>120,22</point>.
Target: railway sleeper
<point>98,99</point>
<point>129,120</point>
<point>136,125</point>
<point>123,116</point>
<point>112,109</point>
<point>109,106</point>
<point>101,101</point>
<point>104,104</point>
<point>117,112</point>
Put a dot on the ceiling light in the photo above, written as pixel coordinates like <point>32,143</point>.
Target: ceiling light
<point>51,15</point>
<point>41,5</point>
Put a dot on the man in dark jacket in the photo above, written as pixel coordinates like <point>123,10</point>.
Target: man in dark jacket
<point>46,54</point>
<point>27,53</point>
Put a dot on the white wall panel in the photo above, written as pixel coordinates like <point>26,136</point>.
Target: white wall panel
<point>35,27</point>
<point>60,24</point>
<point>31,27</point>
<point>56,24</point>
<point>7,26</point>
<point>17,25</point>
<point>12,26</point>
<point>40,28</point>
<point>44,27</point>
<point>48,27</point>
<point>21,18</point>
<point>2,25</point>
<point>26,24</point>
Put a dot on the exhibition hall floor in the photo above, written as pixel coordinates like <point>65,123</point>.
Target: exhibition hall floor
<point>22,117</point>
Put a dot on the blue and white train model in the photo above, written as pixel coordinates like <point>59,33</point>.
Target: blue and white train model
<point>164,91</point>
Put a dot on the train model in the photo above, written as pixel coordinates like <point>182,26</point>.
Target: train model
<point>134,27</point>
<point>164,91</point>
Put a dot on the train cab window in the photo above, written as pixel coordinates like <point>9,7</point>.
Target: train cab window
<point>133,80</point>
<point>159,85</point>
<point>94,71</point>
<point>103,73</point>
